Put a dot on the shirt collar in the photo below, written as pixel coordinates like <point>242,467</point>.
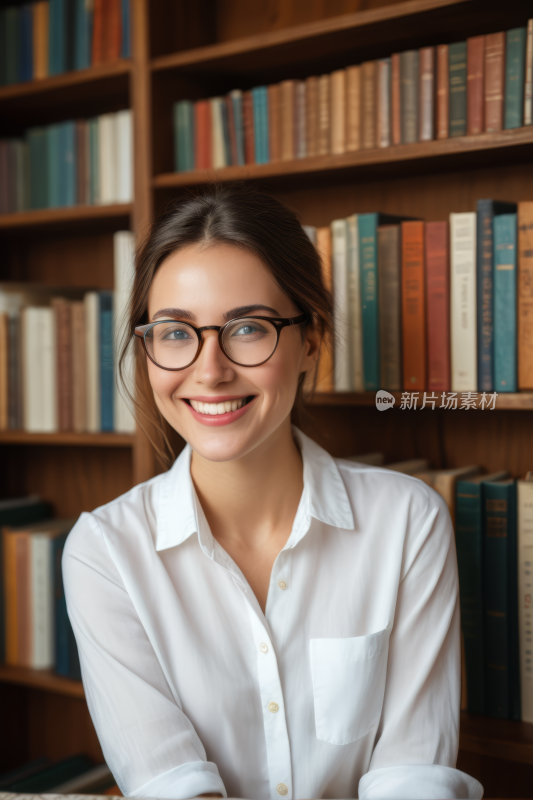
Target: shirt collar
<point>324,497</point>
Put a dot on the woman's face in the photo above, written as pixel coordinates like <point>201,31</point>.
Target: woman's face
<point>208,286</point>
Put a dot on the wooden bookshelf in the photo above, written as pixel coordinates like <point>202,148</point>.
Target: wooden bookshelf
<point>71,216</point>
<point>44,679</point>
<point>497,738</point>
<point>66,438</point>
<point>67,80</point>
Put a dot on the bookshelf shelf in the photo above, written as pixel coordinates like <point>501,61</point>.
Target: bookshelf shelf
<point>497,738</point>
<point>66,438</point>
<point>66,80</point>
<point>41,679</point>
<point>505,402</point>
<point>71,216</point>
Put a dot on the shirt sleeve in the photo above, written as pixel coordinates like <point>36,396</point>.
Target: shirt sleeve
<point>148,742</point>
<point>418,736</point>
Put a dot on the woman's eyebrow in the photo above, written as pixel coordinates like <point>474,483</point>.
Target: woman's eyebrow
<point>182,313</point>
<point>244,311</point>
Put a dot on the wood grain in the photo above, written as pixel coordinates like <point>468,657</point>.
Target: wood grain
<point>49,217</point>
<point>76,78</point>
<point>41,679</point>
<point>68,438</point>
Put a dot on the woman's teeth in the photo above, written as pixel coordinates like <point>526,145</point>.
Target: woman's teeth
<point>217,408</point>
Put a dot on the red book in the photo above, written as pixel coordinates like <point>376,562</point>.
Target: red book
<point>438,306</point>
<point>248,127</point>
<point>475,68</point>
<point>113,29</point>
<point>98,43</point>
<point>494,81</point>
<point>413,306</point>
<point>396,108</point>
<point>202,127</point>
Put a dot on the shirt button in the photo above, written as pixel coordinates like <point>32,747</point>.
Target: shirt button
<point>273,707</point>
<point>263,647</point>
<point>282,789</point>
<point>282,585</point>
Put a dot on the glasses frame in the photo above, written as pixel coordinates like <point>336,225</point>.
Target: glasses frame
<point>278,322</point>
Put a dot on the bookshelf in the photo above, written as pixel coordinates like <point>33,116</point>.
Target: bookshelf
<point>200,48</point>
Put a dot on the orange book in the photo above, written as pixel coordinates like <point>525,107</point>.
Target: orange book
<point>475,68</point>
<point>368,105</point>
<point>4,351</point>
<point>24,616</point>
<point>113,29</point>
<point>323,115</point>
<point>99,34</point>
<point>40,39</point>
<point>324,382</point>
<point>10,596</point>
<point>413,306</point>
<point>287,120</point>
<point>353,110</point>
<point>443,92</point>
<point>525,296</point>
<point>396,104</point>
<point>311,116</point>
<point>202,132</point>
<point>274,122</point>
<point>494,81</point>
<point>338,108</point>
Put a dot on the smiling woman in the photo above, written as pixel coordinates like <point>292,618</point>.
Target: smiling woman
<point>262,620</point>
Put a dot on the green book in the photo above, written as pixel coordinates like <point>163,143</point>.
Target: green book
<point>67,164</point>
<point>409,80</point>
<point>505,296</point>
<point>22,174</point>
<point>184,135</point>
<point>3,47</point>
<point>94,186</point>
<point>53,142</point>
<point>457,73</point>
<point>37,139</point>
<point>12,45</point>
<point>515,64</point>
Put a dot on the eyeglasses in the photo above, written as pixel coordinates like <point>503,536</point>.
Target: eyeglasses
<point>246,341</point>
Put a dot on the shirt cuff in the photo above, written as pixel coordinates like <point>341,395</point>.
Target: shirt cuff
<point>419,782</point>
<point>180,783</point>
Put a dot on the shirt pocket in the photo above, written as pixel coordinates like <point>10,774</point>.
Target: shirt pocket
<point>348,685</point>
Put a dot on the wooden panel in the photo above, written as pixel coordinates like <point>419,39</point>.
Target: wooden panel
<point>500,778</point>
<point>59,727</point>
<point>13,738</point>
<point>497,738</point>
<point>68,438</point>
<point>62,218</point>
<point>41,679</point>
<point>180,26</point>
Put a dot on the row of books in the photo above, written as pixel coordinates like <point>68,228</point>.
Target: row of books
<point>58,354</point>
<point>435,306</point>
<point>81,162</point>
<point>481,85</point>
<point>49,37</point>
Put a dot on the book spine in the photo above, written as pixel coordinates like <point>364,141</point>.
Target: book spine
<point>390,301</point>
<point>4,373</point>
<point>369,300</point>
<point>409,80</point>
<point>94,161</point>
<point>325,376</point>
<point>10,597</point>
<point>83,20</point>
<point>113,25</point>
<point>184,136</point>
<point>231,130</point>
<point>343,381</point>
<point>438,306</point>
<point>265,124</point>
<point>458,104</point>
<point>218,152</point>
<point>463,302</point>
<point>528,80</point>
<point>338,106</point>
<point>124,274</point>
<point>79,366</point>
<point>236,96</point>
<point>69,158</point>
<point>353,109</point>
<point>311,116</point>
<point>26,43</point>
<point>258,126</point>
<point>525,594</point>
<point>323,135</point>
<point>48,364</point>
<point>287,120</point>
<point>475,59</point>
<point>202,128</point>
<point>413,306</point>
<point>354,303</point>
<point>63,325</point>
<point>98,38</point>
<point>107,371</point>
<point>368,105</point>
<point>226,135</point>
<point>505,377</point>
<point>485,296</point>
<point>92,343</point>
<point>14,374</point>
<point>383,103</point>
<point>443,92</point>
<point>124,155</point>
<point>248,128</point>
<point>24,620</point>
<point>469,543</point>
<point>274,122</point>
<point>396,100</point>
<point>525,296</point>
<point>427,94</point>
<point>125,51</point>
<point>61,621</point>
<point>494,81</point>
<point>12,42</point>
<point>40,39</point>
<point>41,594</point>
<point>515,59</point>
<point>300,140</point>
<point>57,47</point>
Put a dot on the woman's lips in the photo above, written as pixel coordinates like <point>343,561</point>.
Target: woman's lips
<point>220,419</point>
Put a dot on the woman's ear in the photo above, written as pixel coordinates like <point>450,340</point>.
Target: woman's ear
<point>311,351</point>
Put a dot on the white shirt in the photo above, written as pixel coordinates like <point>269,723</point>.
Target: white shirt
<point>347,686</point>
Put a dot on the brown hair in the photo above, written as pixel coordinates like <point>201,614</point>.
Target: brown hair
<point>244,217</point>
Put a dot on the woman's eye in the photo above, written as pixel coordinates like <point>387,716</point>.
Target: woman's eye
<point>248,330</point>
<point>176,336</point>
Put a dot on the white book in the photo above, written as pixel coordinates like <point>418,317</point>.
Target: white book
<point>42,655</point>
<point>124,156</point>
<point>463,301</point>
<point>92,343</point>
<point>528,88</point>
<point>107,158</point>
<point>39,366</point>
<point>218,151</point>
<point>124,250</point>
<point>355,320</point>
<point>339,246</point>
<point>525,593</point>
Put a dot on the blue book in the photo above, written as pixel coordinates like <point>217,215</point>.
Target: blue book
<point>505,337</point>
<point>486,211</point>
<point>26,43</point>
<point>125,51</point>
<point>502,671</point>
<point>236,99</point>
<point>54,184</point>
<point>107,371</point>
<point>94,191</point>
<point>61,620</point>
<point>56,33</point>
<point>515,62</point>
<point>37,139</point>
<point>84,31</point>
<point>67,164</point>
<point>260,124</point>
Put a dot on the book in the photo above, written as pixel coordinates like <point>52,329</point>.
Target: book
<point>469,539</point>
<point>124,272</point>
<point>248,128</point>
<point>338,107</point>
<point>528,78</point>
<point>525,296</point>
<point>53,161</point>
<point>66,656</point>
<point>524,490</point>
<point>353,109</point>
<point>107,190</point>
<point>300,150</point>
<point>41,593</point>
<point>274,122</point>
<point>79,365</point>
<point>125,51</point>
<point>342,357</point>
<point>409,80</point>
<point>63,331</point>
<point>311,115</point>
<point>66,155</point>
<point>259,96</point>
<point>458,78</point>
<point>287,120</point>
<point>99,32</point>
<point>124,157</point>
<point>26,43</point>
<point>413,306</point>
<point>390,301</point>
<point>22,599</point>
<point>354,304</point>
<point>225,131</point>
<point>14,374</point>
<point>505,345</point>
<point>475,63</point>
<point>396,100</point>
<point>113,30</point>
<point>502,665</point>
<point>427,94</point>
<point>325,376</point>
<point>438,306</point>
<point>12,42</point>
<point>323,120</point>
<point>515,59</point>
<point>83,166</point>
<point>494,81</point>
<point>94,159</point>
<point>444,481</point>
<point>92,356</point>
<point>107,371</point>
<point>486,211</point>
<point>368,105</point>
<point>184,136</point>
<point>443,92</point>
<point>202,131</point>
<point>383,105</point>
<point>84,20</point>
<point>236,101</point>
<point>39,369</point>
<point>463,302</point>
<point>40,39</point>
<point>4,370</point>
<point>57,37</point>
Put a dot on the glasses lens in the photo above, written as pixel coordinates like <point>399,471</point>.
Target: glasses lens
<point>172,345</point>
<point>249,341</point>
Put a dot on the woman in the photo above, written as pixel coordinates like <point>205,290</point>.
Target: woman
<point>262,620</point>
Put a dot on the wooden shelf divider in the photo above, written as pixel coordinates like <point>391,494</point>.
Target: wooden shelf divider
<point>68,438</point>
<point>497,738</point>
<point>41,679</point>
<point>70,214</point>
<point>66,80</point>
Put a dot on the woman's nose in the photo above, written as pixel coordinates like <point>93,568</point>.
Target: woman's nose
<point>212,365</point>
